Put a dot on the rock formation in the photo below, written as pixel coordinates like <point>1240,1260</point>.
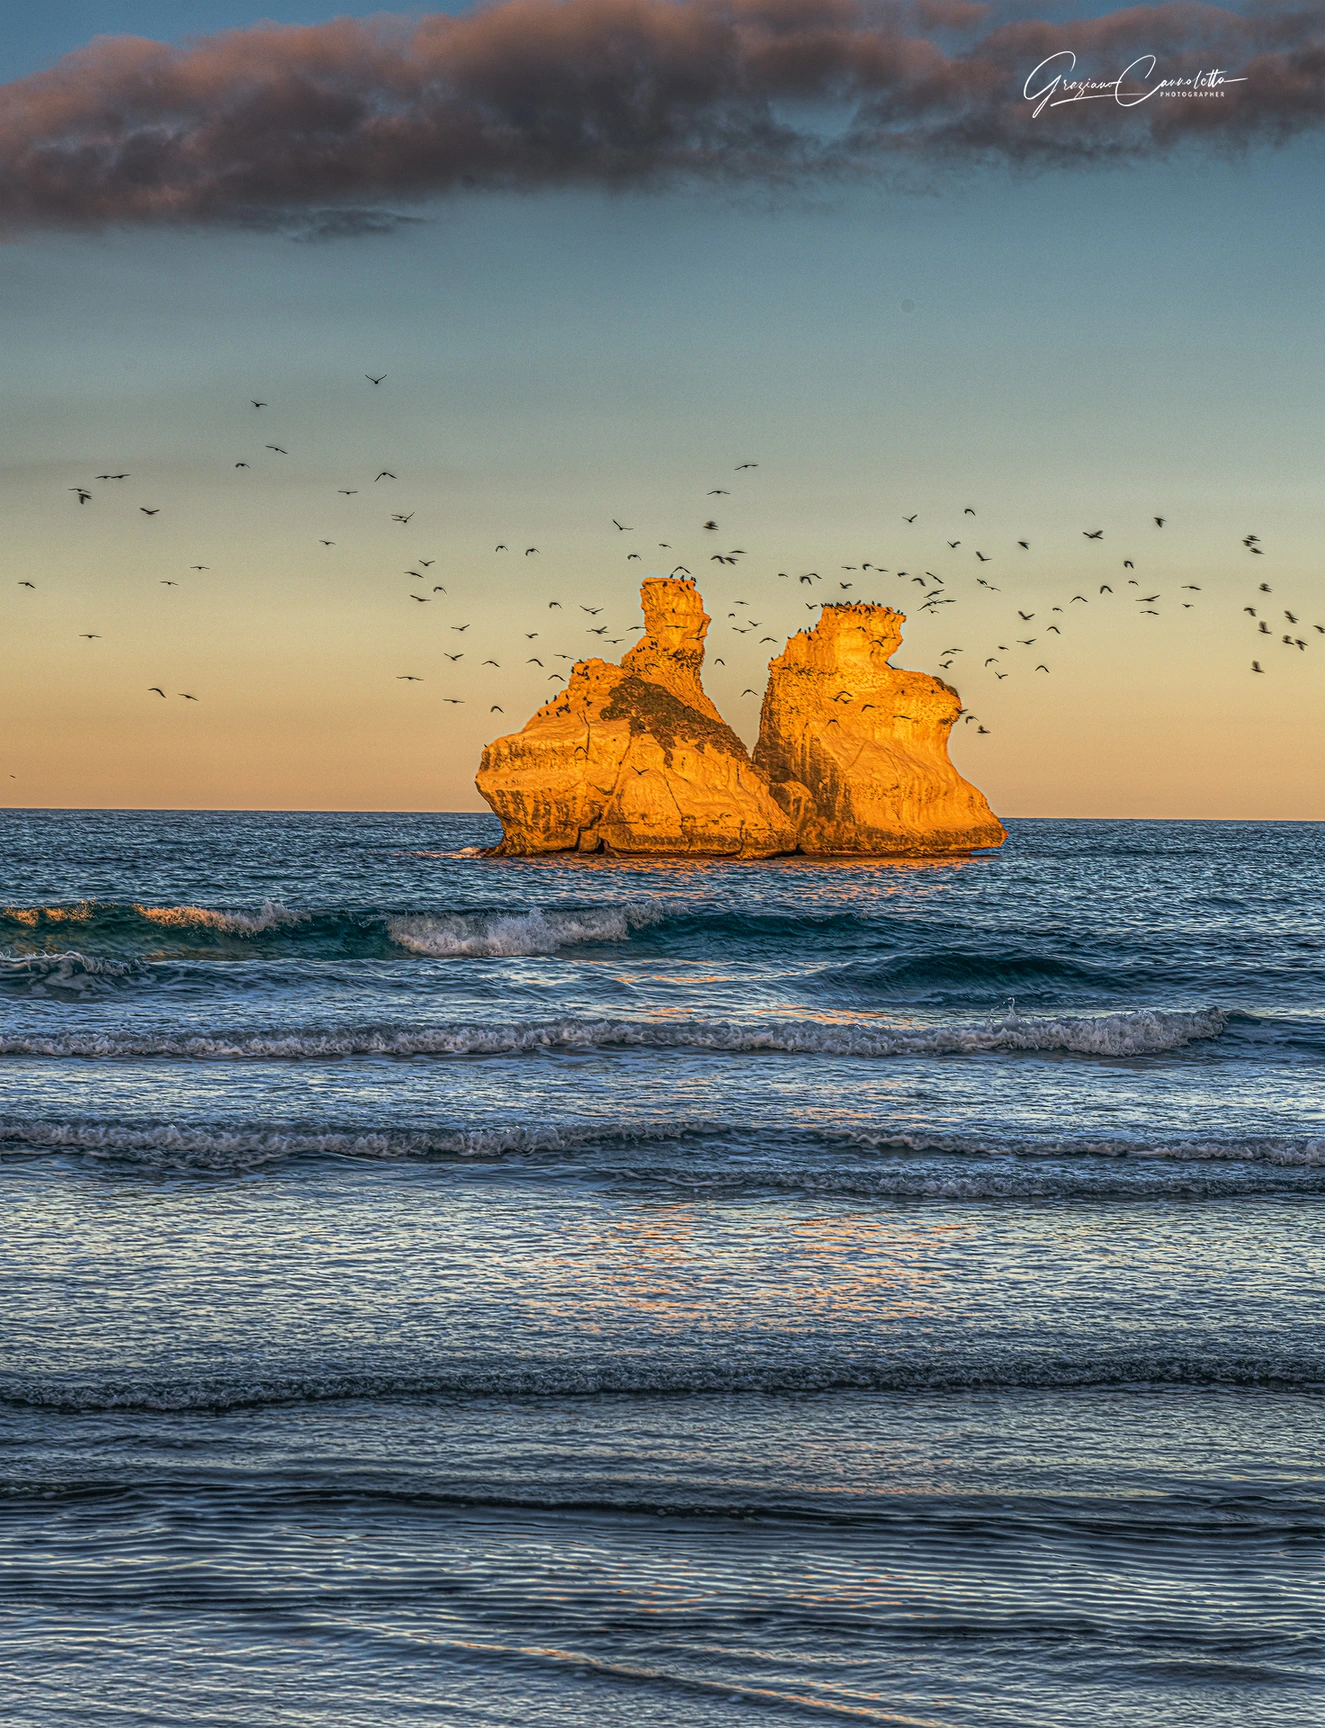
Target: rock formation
<point>635,758</point>
<point>852,754</point>
<point>856,751</point>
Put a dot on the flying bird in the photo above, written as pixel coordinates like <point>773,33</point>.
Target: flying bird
<point>1256,666</point>
<point>622,526</point>
<point>1025,543</point>
<point>241,464</point>
<point>717,492</point>
<point>260,404</point>
<point>408,678</point>
<point>112,476</point>
<point>186,696</point>
<point>372,380</point>
<point>278,450</point>
<point>83,496</point>
<point>743,465</point>
<point>1097,535</point>
<point>1160,521</point>
<point>910,518</point>
<point>529,549</point>
<point>147,512</point>
<point>27,584</point>
<point>386,474</point>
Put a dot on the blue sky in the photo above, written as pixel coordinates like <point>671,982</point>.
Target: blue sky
<point>1081,350</point>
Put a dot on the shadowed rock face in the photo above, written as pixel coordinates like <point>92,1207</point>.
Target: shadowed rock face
<point>856,751</point>
<point>635,758</point>
<point>852,754</point>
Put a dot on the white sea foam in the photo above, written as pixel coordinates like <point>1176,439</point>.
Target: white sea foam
<point>1141,1032</point>
<point>443,935</point>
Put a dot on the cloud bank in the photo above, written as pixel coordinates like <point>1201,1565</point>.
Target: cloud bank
<point>255,125</point>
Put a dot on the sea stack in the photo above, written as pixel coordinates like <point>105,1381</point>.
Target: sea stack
<point>635,758</point>
<point>856,751</point>
<point>852,755</point>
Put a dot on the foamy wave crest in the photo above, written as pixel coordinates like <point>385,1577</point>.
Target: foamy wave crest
<point>271,916</point>
<point>69,974</point>
<point>1143,1032</point>
<point>441,935</point>
<point>171,1145</point>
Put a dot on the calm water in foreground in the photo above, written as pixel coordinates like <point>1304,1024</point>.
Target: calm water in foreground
<point>477,1293</point>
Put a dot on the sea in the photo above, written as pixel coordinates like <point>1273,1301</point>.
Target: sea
<point>481,1292</point>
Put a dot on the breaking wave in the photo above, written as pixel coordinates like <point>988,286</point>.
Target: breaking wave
<point>717,1156</point>
<point>1137,1033</point>
<point>241,1146</point>
<point>140,931</point>
<point>68,975</point>
<point>490,934</point>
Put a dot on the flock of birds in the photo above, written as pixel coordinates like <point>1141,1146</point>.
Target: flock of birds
<point>1046,623</point>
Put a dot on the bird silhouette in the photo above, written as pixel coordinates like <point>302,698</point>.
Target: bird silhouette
<point>277,448</point>
<point>386,474</point>
<point>1097,535</point>
<point>372,380</point>
<point>83,496</point>
<point>260,404</point>
<point>156,690</point>
<point>408,678</point>
<point>27,585</point>
<point>622,526</point>
<point>1159,521</point>
<point>186,696</point>
<point>1256,666</point>
<point>147,512</point>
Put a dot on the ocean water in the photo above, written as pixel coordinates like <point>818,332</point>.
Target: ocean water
<point>467,1292</point>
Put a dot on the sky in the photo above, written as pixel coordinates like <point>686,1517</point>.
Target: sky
<point>1062,347</point>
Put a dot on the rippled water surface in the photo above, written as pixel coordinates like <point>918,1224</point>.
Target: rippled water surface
<point>470,1292</point>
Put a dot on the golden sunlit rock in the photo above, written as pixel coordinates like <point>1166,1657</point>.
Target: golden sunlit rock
<point>635,758</point>
<point>856,750</point>
<point>852,754</point>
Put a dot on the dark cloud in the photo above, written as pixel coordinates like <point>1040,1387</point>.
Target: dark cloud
<point>319,124</point>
